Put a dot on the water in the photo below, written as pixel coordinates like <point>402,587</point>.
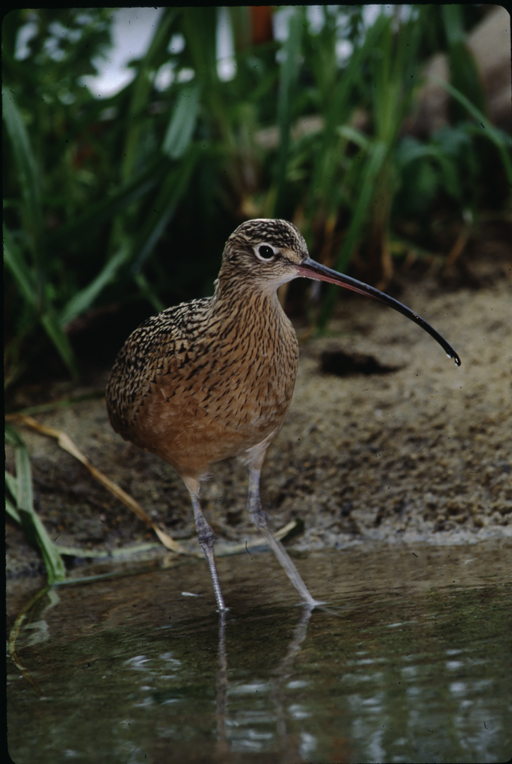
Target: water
<point>410,661</point>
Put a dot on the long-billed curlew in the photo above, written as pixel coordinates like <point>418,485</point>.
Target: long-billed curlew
<point>213,378</point>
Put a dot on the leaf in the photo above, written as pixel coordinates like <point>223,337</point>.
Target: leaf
<point>496,136</point>
<point>173,189</point>
<point>288,81</point>
<point>182,123</point>
<point>15,261</point>
<point>55,332</point>
<point>24,159</point>
<point>148,292</point>
<point>373,166</point>
<point>11,484</point>
<point>354,135</point>
<point>34,529</point>
<point>110,206</point>
<point>325,176</point>
<point>141,88</point>
<point>11,509</point>
<point>83,300</point>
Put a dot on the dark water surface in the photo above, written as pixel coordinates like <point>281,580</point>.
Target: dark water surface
<point>411,661</point>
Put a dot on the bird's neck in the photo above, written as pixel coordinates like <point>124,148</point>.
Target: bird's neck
<point>248,325</point>
<point>243,309</point>
<point>232,293</point>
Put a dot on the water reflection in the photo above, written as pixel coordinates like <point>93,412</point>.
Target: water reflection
<point>252,715</point>
<point>144,676</point>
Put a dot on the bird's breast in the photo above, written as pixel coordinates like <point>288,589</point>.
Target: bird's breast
<point>215,392</point>
<point>243,374</point>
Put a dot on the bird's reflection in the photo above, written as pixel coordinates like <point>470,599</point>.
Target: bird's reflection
<point>222,687</point>
<point>284,669</point>
<point>279,676</point>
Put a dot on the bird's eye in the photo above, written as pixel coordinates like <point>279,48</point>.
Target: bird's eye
<point>265,252</point>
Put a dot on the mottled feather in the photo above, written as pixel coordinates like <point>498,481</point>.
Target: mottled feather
<point>214,377</point>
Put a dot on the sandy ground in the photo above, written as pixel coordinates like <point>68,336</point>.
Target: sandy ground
<point>423,453</point>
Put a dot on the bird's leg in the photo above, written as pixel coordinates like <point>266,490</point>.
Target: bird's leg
<point>206,538</point>
<point>259,519</point>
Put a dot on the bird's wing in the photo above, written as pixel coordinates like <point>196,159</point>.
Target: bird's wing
<point>155,357</point>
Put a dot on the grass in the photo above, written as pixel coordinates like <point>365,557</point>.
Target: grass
<point>102,214</point>
<point>20,507</point>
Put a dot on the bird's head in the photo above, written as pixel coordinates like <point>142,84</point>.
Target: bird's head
<point>263,254</point>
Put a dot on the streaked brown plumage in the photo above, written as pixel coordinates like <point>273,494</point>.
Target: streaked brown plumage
<point>213,378</point>
<point>170,394</point>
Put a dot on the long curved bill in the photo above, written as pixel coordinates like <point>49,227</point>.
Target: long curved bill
<point>310,269</point>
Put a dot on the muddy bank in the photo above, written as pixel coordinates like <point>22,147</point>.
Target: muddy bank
<point>420,453</point>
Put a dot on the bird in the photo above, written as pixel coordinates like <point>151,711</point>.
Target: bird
<point>213,378</point>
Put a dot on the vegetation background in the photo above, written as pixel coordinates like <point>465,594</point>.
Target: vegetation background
<point>116,207</point>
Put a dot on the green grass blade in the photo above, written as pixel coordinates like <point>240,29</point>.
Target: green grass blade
<point>493,134</point>
<point>83,300</point>
<point>56,333</point>
<point>109,207</point>
<point>11,509</point>
<point>141,89</point>
<point>34,529</point>
<point>55,568</point>
<point>323,180</point>
<point>182,123</point>
<point>25,162</point>
<point>373,166</point>
<point>18,267</point>
<point>374,163</point>
<point>199,27</point>
<point>354,135</point>
<point>20,270</point>
<point>24,496</point>
<point>464,74</point>
<point>148,292</point>
<point>173,188</point>
<point>12,485</point>
<point>287,86</point>
<point>12,436</point>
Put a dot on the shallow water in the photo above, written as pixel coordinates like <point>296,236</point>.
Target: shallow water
<point>409,661</point>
